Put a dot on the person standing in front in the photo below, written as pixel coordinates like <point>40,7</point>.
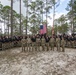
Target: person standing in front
<point>63,44</point>
<point>58,43</point>
<point>23,41</point>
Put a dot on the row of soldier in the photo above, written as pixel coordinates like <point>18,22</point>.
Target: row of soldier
<point>9,42</point>
<point>44,43</point>
<point>16,40</point>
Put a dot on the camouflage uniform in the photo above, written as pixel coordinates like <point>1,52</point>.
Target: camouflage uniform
<point>29,42</point>
<point>58,43</point>
<point>10,42</point>
<point>38,43</point>
<point>69,41</point>
<point>33,43</point>
<point>47,42</point>
<point>3,44</point>
<point>43,43</point>
<point>0,43</point>
<point>63,44</point>
<point>75,41</point>
<point>72,41</point>
<point>51,43</point>
<point>23,44</point>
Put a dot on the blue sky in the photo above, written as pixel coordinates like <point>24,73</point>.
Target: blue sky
<point>62,6</point>
<point>60,10</point>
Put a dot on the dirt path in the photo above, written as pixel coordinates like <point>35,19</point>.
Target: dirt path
<point>15,62</point>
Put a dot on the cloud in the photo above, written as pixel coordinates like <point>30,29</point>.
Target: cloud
<point>5,2</point>
<point>57,15</point>
<point>61,1</point>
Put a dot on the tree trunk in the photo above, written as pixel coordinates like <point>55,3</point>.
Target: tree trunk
<point>26,17</point>
<point>46,15</point>
<point>72,2</point>
<point>53,18</point>
<point>8,24</point>
<point>11,18</point>
<point>4,26</point>
<point>20,20</point>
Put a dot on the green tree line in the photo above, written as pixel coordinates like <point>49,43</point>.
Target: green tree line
<point>16,23</point>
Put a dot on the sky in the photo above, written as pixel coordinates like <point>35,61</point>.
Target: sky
<point>58,12</point>
<point>59,9</point>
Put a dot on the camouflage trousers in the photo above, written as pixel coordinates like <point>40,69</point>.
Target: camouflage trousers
<point>33,46</point>
<point>69,44</point>
<point>58,47</point>
<point>43,46</point>
<point>29,46</point>
<point>75,44</point>
<point>72,44</point>
<point>0,46</point>
<point>52,46</point>
<point>23,47</point>
<point>38,46</point>
<point>63,48</point>
<point>47,46</point>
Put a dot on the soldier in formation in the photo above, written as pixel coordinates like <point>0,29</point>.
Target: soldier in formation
<point>43,43</point>
<point>23,42</point>
<point>38,42</point>
<point>63,44</point>
<point>47,42</point>
<point>52,43</point>
<point>58,43</point>
<point>29,43</point>
<point>33,42</point>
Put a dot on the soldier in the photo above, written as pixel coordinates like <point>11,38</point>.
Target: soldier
<point>29,42</point>
<point>10,42</point>
<point>43,43</point>
<point>7,42</point>
<point>63,44</point>
<point>38,43</point>
<point>47,42</point>
<point>72,42</point>
<point>23,44</point>
<point>33,42</point>
<point>58,43</point>
<point>69,41</point>
<point>75,41</point>
<point>3,43</point>
<point>19,41</point>
<point>52,42</point>
<point>0,43</point>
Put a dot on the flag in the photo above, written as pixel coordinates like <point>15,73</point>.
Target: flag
<point>42,29</point>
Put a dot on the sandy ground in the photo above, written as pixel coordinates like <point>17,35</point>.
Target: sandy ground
<point>15,62</point>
